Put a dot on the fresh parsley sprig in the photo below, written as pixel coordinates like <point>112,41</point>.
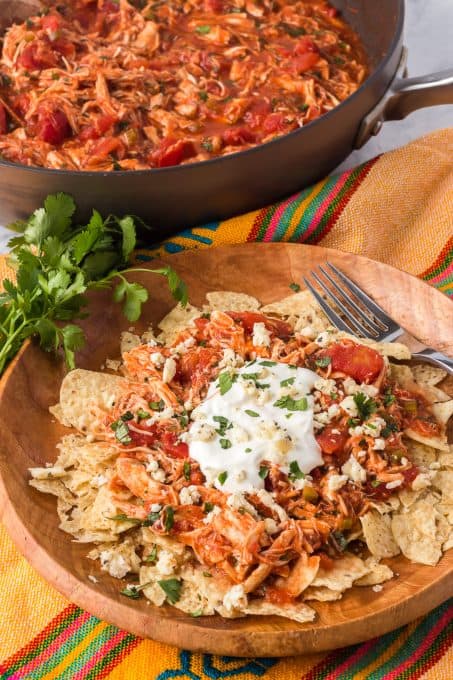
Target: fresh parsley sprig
<point>56,264</point>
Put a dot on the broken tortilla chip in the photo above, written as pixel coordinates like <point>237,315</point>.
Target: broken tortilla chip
<point>229,301</point>
<point>378,534</point>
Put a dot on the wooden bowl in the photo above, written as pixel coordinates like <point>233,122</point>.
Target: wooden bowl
<point>31,385</point>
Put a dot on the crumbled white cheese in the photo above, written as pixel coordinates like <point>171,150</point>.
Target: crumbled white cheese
<point>350,386</point>
<point>435,465</point>
<point>266,498</point>
<point>354,470</point>
<point>393,485</point>
<point>323,339</point>
<point>308,332</point>
<point>325,385</point>
<point>333,410</point>
<point>152,466</point>
<point>369,390</point>
<point>114,563</point>
<point>157,359</point>
<point>270,526</point>
<point>237,435</point>
<point>113,364</point>
<point>348,404</point>
<point>48,472</point>
<point>159,475</point>
<point>166,563</point>
<point>335,482</point>
<point>373,427</point>
<point>261,336</point>
<point>356,431</point>
<point>189,495</point>
<point>379,444</point>
<point>92,578</point>
<point>182,347</point>
<point>156,507</point>
<point>210,516</point>
<point>230,359</point>
<point>169,370</point>
<point>237,500</point>
<point>99,480</point>
<point>240,476</point>
<point>377,588</point>
<point>202,432</point>
<point>235,598</point>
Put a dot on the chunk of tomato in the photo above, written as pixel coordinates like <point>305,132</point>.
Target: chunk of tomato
<point>172,446</point>
<point>358,361</point>
<point>304,62</point>
<point>275,122</point>
<point>215,6</point>
<point>237,136</point>
<point>53,127</point>
<point>172,152</point>
<point>99,127</point>
<point>305,45</point>
<point>37,56</point>
<point>248,319</point>
<point>331,440</point>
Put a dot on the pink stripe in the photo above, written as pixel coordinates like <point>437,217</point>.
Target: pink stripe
<point>273,224</point>
<point>443,275</point>
<point>99,654</point>
<point>423,647</point>
<point>352,659</point>
<point>328,199</point>
<point>54,647</point>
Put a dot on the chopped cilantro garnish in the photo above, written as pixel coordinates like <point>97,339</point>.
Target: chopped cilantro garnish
<point>375,483</point>
<point>196,613</point>
<point>295,287</point>
<point>207,145</point>
<point>127,416</point>
<point>225,443</point>
<point>252,414</point>
<point>204,97</point>
<point>287,382</point>
<point>293,31</point>
<point>207,574</point>
<point>339,541</point>
<point>294,471</point>
<point>152,557</point>
<point>121,432</point>
<point>183,419</point>
<point>250,376</point>
<point>322,362</point>
<point>292,404</point>
<point>365,405</point>
<point>134,591</point>
<point>171,588</point>
<point>169,517</point>
<point>151,518</point>
<point>226,381</point>
<point>142,415</point>
<point>268,363</point>
<point>388,399</point>
<point>186,470</point>
<point>207,507</point>
<point>264,471</point>
<point>203,30</point>
<point>223,477</point>
<point>248,450</point>
<point>224,424</point>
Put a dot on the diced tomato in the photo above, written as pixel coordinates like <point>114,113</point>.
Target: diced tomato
<point>325,562</point>
<point>64,47</point>
<point>172,152</point>
<point>3,120</point>
<point>305,45</point>
<point>195,364</point>
<point>53,126</point>
<point>275,122</point>
<point>100,126</point>
<point>237,136</point>
<point>331,12</point>
<point>410,474</point>
<point>21,104</point>
<point>332,441</point>
<point>172,446</point>
<point>257,113</point>
<point>304,62</point>
<point>358,361</point>
<point>110,7</point>
<point>196,477</point>
<point>37,56</point>
<point>248,319</point>
<point>51,23</point>
<point>107,146</point>
<point>215,6</point>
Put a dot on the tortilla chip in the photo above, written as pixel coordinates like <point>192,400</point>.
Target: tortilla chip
<point>378,534</point>
<point>415,532</point>
<point>84,391</point>
<point>387,349</point>
<point>175,321</point>
<point>297,612</point>
<point>389,505</point>
<point>443,480</point>
<point>445,458</point>
<point>342,575</point>
<point>378,573</point>
<point>228,301</point>
<point>322,594</point>
<point>427,374</point>
<point>439,443</point>
<point>129,341</point>
<point>304,308</point>
<point>420,454</point>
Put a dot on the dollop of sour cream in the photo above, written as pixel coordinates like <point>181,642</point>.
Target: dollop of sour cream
<point>260,412</point>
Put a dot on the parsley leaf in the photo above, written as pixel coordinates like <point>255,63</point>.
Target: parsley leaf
<point>169,517</point>
<point>171,588</point>
<point>226,381</point>
<point>252,414</point>
<point>225,444</point>
<point>121,432</point>
<point>264,471</point>
<point>186,470</point>
<point>365,405</point>
<point>295,287</point>
<point>287,382</point>
<point>294,471</point>
<point>152,557</point>
<point>223,477</point>
<point>292,404</point>
<point>322,362</point>
<point>224,424</point>
<point>134,591</point>
<point>203,30</point>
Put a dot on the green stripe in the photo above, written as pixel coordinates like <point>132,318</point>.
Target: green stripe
<point>411,644</point>
<point>43,644</point>
<point>265,222</point>
<point>65,649</point>
<point>83,658</point>
<point>441,267</point>
<point>110,657</point>
<point>333,206</point>
<point>312,207</point>
<point>430,651</point>
<point>288,214</point>
<point>380,646</point>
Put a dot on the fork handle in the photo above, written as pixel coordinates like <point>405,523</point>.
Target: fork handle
<point>435,358</point>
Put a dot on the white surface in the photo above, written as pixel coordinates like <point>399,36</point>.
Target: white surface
<point>428,35</point>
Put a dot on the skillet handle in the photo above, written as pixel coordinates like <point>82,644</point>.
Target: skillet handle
<point>404,96</point>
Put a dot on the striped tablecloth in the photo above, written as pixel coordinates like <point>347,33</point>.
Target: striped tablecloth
<point>398,209</point>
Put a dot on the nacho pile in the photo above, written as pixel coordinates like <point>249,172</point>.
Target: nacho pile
<point>253,460</point>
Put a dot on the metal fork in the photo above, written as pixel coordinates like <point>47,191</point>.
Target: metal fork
<point>351,310</point>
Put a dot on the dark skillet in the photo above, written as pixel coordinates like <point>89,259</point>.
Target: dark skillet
<point>181,196</point>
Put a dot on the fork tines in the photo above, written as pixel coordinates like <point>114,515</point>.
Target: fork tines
<point>348,307</point>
